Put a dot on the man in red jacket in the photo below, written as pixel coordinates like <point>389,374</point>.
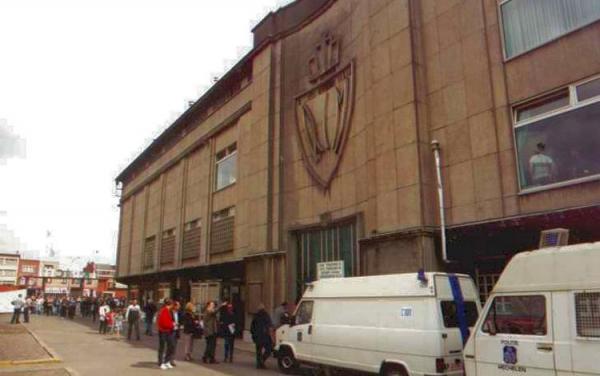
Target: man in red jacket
<point>166,335</point>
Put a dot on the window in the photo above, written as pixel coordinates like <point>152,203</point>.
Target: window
<point>28,269</point>
<point>558,137</point>
<point>587,313</point>
<point>226,166</point>
<point>167,251</point>
<point>149,246</point>
<point>451,318</point>
<point>192,240</point>
<point>304,313</point>
<point>528,24</point>
<point>524,315</point>
<point>222,231</point>
<point>485,284</point>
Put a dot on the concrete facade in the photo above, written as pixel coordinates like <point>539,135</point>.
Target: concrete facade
<point>404,73</point>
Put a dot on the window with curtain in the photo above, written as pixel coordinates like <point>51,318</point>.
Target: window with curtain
<point>226,167</point>
<point>558,137</point>
<point>530,23</point>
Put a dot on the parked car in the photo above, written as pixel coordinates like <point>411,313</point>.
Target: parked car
<point>543,317</point>
<point>400,324</point>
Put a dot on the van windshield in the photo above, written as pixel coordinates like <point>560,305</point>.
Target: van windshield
<point>451,318</point>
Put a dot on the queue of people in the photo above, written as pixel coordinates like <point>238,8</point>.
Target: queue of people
<point>172,322</point>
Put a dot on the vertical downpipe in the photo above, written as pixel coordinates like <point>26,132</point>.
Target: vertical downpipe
<point>435,145</point>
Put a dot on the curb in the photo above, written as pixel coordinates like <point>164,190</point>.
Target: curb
<point>10,363</point>
<point>52,360</point>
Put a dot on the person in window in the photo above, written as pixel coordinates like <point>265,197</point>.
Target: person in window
<point>541,166</point>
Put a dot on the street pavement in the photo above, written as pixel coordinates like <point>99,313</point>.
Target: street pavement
<point>85,352</point>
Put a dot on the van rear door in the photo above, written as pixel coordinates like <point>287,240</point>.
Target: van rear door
<point>516,336</point>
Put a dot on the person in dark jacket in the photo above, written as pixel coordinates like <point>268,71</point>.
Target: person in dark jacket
<point>210,332</point>
<point>149,310</point>
<point>191,325</point>
<point>262,329</point>
<point>228,329</point>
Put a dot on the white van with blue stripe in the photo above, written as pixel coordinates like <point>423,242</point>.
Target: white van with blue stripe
<point>398,324</point>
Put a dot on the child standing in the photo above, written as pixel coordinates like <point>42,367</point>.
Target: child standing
<point>118,320</point>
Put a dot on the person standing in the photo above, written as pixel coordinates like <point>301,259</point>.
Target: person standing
<point>17,304</point>
<point>278,314</point>
<point>228,330</point>
<point>166,336</point>
<point>27,309</point>
<point>178,325</point>
<point>191,324</point>
<point>94,309</point>
<point>210,332</point>
<point>149,311</point>
<point>261,329</point>
<point>132,316</point>
<point>103,312</point>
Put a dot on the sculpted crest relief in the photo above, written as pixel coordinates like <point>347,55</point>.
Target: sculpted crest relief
<point>324,112</point>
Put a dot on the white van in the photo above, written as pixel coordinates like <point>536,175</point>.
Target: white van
<point>543,317</point>
<point>400,324</point>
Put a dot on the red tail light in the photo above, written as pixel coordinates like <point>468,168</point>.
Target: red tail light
<point>440,365</point>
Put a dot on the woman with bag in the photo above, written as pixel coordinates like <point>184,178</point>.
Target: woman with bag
<point>191,325</point>
<point>228,330</point>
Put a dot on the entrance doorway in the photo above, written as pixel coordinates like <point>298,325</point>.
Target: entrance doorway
<point>332,243</point>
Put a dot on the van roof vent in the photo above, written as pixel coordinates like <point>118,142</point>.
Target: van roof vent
<point>554,238</point>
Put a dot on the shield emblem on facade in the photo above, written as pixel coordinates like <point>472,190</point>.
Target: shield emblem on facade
<point>323,119</point>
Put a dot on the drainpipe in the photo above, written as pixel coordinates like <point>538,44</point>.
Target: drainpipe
<point>435,146</point>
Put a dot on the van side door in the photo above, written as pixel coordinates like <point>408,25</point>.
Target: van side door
<point>301,332</point>
<point>516,336</point>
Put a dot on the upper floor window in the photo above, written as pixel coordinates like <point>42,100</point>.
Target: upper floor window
<point>226,166</point>
<point>528,24</point>
<point>558,137</point>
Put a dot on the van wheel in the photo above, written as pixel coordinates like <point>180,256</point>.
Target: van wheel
<point>393,370</point>
<point>287,362</point>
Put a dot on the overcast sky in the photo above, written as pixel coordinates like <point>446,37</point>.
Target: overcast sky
<point>84,86</point>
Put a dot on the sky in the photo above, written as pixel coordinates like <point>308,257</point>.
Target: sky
<point>85,85</point>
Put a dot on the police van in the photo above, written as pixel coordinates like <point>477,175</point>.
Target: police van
<point>400,324</point>
<point>543,317</point>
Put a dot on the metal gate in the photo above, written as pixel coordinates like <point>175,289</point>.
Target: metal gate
<point>333,243</point>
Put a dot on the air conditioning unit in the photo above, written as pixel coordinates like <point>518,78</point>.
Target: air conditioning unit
<point>554,238</point>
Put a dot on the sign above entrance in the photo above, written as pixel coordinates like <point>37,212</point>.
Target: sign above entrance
<point>331,269</point>
<point>324,112</point>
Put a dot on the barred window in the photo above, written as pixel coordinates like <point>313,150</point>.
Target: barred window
<point>192,240</point>
<point>221,235</point>
<point>167,248</point>
<point>587,313</point>
<point>149,246</point>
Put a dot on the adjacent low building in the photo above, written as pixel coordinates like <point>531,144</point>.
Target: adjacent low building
<point>9,267</point>
<point>317,147</point>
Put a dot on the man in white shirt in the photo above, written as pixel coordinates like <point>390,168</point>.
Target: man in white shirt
<point>18,304</point>
<point>541,167</point>
<point>102,313</point>
<point>133,316</point>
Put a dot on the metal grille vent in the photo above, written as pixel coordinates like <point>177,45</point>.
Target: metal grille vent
<point>587,313</point>
<point>554,238</point>
<point>149,247</point>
